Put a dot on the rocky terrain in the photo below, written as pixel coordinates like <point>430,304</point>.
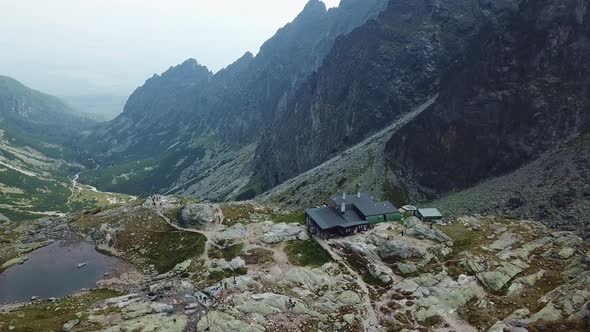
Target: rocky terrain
<point>505,102</point>
<point>252,267</point>
<point>552,189</point>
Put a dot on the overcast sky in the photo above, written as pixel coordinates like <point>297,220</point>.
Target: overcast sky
<point>71,47</point>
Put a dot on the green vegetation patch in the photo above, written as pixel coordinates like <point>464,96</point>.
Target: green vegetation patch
<point>292,217</point>
<point>258,255</point>
<point>247,212</point>
<point>217,276</point>
<point>228,252</point>
<point>152,241</point>
<point>235,213</point>
<point>45,316</point>
<point>37,194</point>
<point>142,174</point>
<point>307,253</point>
<point>394,194</point>
<point>464,238</point>
<point>84,198</point>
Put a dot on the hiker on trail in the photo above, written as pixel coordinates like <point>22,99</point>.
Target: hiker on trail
<point>431,225</point>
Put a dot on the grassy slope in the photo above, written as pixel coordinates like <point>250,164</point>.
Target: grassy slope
<point>307,253</point>
<point>45,316</point>
<point>145,239</point>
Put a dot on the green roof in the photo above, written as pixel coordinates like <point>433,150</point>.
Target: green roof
<point>430,213</point>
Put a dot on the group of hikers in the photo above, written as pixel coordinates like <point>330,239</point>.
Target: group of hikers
<point>156,200</point>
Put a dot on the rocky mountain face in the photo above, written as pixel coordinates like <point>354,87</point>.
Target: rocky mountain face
<point>371,77</point>
<point>520,88</point>
<point>188,114</point>
<point>502,70</point>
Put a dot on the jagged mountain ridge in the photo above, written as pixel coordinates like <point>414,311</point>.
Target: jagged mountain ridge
<point>494,90</point>
<point>229,110</point>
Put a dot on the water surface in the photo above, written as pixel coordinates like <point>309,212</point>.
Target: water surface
<point>52,271</point>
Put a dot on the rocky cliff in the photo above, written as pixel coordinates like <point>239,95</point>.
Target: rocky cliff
<point>503,71</point>
<point>188,113</point>
<point>520,88</point>
<point>371,77</point>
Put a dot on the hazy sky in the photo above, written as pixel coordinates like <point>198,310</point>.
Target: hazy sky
<point>71,47</point>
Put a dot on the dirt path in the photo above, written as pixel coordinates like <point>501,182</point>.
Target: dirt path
<point>207,234</point>
<point>371,322</point>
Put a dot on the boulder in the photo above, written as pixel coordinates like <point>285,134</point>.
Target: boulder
<point>285,232</point>
<point>232,233</point>
<point>381,272</point>
<point>309,278</point>
<point>70,324</point>
<point>428,233</point>
<point>236,263</point>
<point>403,250</point>
<point>406,268</point>
<point>198,215</point>
<point>348,318</point>
<point>182,267</point>
<point>267,304</point>
<point>331,301</point>
<point>496,280</point>
<point>505,240</point>
<point>548,314</point>
<point>566,252</point>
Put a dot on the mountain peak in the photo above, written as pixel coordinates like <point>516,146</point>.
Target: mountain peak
<point>313,8</point>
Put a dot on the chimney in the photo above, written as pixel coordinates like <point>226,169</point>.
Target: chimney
<point>343,208</point>
<point>344,196</point>
<point>358,194</point>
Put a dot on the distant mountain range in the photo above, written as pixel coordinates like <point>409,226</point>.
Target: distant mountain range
<point>414,101</point>
<point>32,113</point>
